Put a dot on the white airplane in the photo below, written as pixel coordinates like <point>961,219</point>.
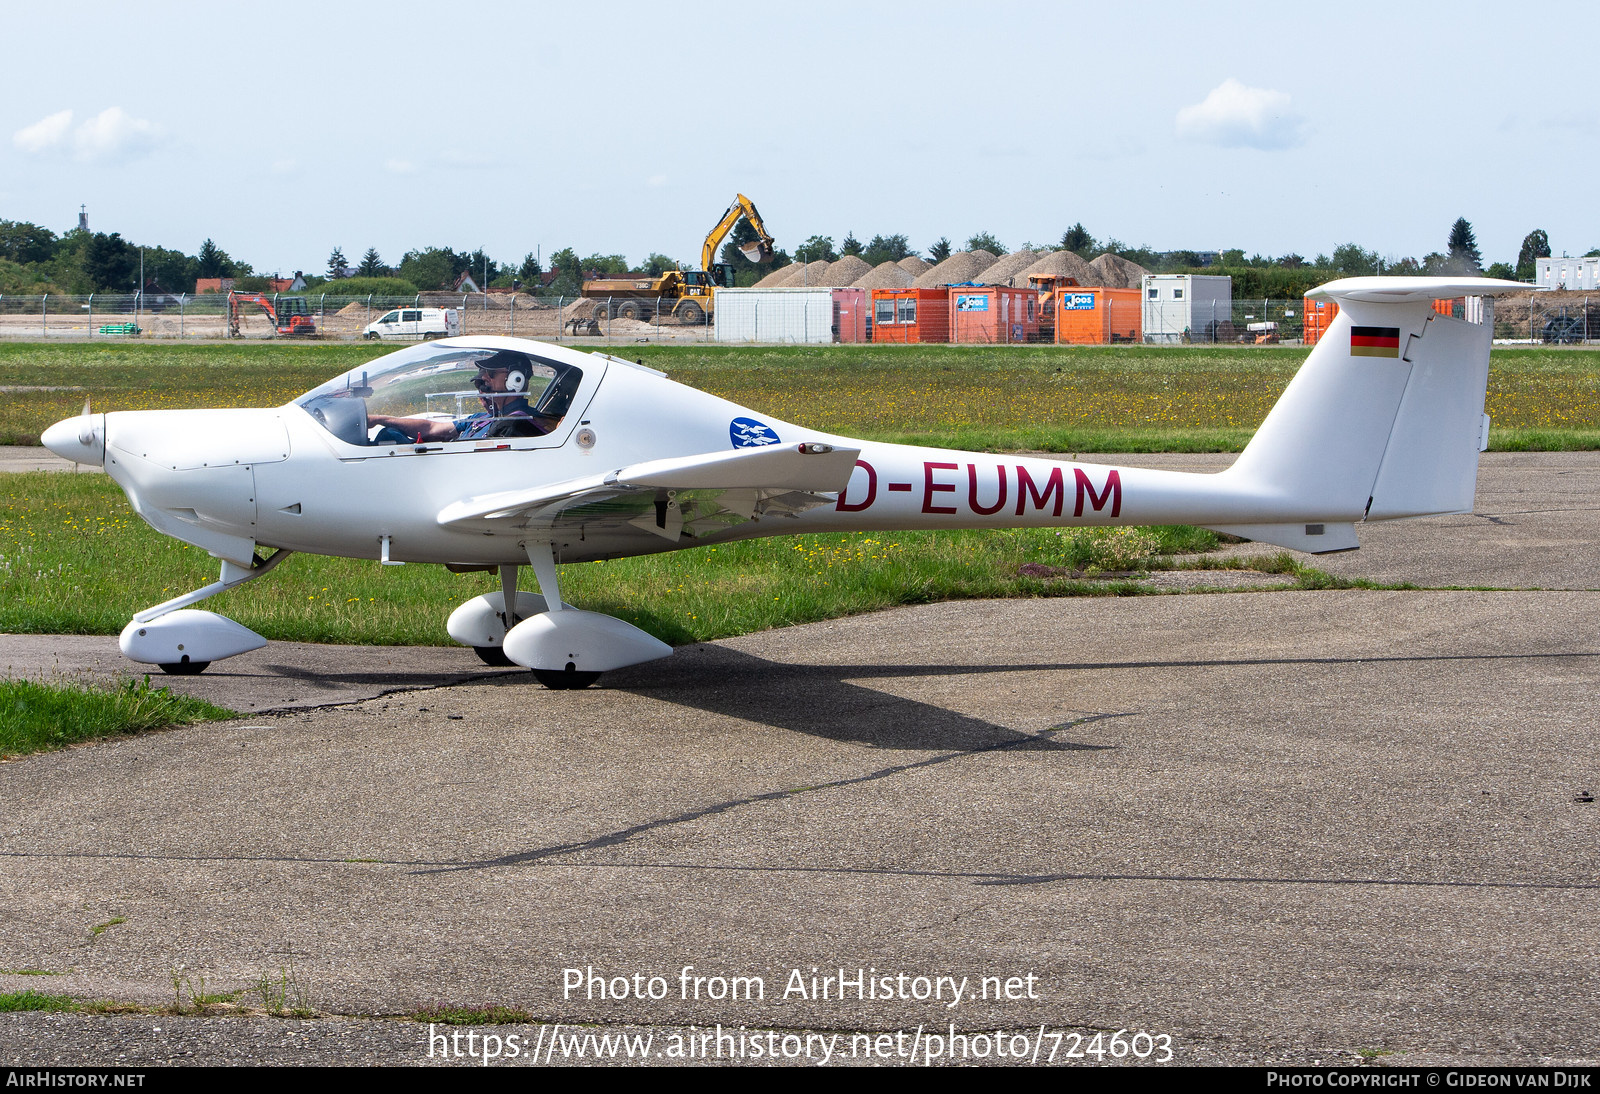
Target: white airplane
<point>484,453</point>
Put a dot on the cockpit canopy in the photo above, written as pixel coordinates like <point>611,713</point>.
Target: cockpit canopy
<point>443,384</point>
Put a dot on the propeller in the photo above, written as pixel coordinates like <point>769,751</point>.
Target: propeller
<point>86,424</point>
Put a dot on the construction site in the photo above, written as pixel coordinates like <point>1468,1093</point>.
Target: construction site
<point>975,296</point>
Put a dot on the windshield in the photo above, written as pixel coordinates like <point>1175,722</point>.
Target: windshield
<point>444,393</point>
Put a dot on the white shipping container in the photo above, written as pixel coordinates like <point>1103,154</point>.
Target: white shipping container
<point>773,315</point>
<point>1567,273</point>
<point>1179,307</point>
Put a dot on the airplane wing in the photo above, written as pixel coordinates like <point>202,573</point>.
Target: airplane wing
<point>684,495</point>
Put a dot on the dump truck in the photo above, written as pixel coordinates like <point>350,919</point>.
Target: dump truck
<point>686,295</point>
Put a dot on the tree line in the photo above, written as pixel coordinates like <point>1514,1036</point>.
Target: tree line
<point>34,259</point>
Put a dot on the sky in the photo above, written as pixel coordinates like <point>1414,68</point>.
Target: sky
<point>284,132</point>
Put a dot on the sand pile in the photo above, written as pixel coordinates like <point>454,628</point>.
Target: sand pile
<point>844,272</point>
<point>1006,268</point>
<point>358,307</point>
<point>887,275</point>
<point>959,267</point>
<point>1118,273</point>
<point>1061,264</point>
<point>914,265</point>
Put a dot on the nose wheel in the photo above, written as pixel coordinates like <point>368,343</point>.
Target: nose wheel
<point>185,667</point>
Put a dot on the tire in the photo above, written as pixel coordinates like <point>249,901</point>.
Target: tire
<point>493,655</point>
<point>1565,330</point>
<point>630,309</point>
<point>185,667</point>
<point>371,336</point>
<point>568,679</point>
<point>691,314</point>
<point>602,310</point>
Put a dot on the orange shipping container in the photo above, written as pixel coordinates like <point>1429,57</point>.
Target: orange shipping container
<point>910,315</point>
<point>1318,318</point>
<point>1095,316</point>
<point>993,314</point>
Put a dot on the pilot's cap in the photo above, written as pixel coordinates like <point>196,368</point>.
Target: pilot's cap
<point>502,359</point>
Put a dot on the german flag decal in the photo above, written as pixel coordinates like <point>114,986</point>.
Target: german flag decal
<point>1375,341</point>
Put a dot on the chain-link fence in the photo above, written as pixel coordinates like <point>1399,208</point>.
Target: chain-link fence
<point>1548,318</point>
<point>977,315</point>
<point>346,318</point>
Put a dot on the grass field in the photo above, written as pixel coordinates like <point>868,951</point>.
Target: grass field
<point>1012,398</point>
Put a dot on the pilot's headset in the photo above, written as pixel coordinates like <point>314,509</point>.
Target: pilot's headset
<point>517,374</point>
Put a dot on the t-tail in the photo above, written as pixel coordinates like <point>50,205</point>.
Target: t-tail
<point>1384,420</point>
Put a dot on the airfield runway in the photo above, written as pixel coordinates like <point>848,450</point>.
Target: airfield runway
<point>1270,826</point>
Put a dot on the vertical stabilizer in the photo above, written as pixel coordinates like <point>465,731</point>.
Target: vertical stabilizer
<point>1385,418</point>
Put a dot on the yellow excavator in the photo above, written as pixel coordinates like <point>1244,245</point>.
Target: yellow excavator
<point>686,295</point>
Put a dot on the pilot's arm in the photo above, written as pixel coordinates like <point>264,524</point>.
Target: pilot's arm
<point>423,429</point>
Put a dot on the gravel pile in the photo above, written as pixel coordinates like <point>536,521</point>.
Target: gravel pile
<point>888,275</point>
<point>358,307</point>
<point>959,267</point>
<point>914,266</point>
<point>1007,267</point>
<point>847,271</point>
<point>1118,273</point>
<point>777,278</point>
<point>811,273</point>
<point>1061,264</point>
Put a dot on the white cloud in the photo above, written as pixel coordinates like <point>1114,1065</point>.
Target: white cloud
<point>400,167</point>
<point>44,134</point>
<point>113,134</point>
<point>1236,116</point>
<point>109,136</point>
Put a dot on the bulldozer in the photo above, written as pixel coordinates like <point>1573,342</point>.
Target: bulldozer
<point>686,295</point>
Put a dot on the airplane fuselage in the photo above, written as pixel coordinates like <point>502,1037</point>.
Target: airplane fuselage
<point>287,482</point>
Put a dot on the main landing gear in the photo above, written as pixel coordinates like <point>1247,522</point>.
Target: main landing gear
<point>566,648</point>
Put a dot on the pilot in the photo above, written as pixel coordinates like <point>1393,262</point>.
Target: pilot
<point>502,383</point>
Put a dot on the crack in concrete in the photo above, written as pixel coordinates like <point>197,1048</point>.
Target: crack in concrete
<point>623,835</point>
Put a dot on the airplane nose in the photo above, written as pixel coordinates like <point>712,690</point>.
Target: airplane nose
<point>81,439</point>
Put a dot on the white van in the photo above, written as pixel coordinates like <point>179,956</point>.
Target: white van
<point>415,323</point>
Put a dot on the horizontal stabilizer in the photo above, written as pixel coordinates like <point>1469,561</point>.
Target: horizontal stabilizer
<point>1407,290</point>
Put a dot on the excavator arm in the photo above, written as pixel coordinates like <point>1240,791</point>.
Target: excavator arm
<point>759,249</point>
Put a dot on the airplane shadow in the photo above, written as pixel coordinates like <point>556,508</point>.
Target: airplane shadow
<point>826,701</point>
